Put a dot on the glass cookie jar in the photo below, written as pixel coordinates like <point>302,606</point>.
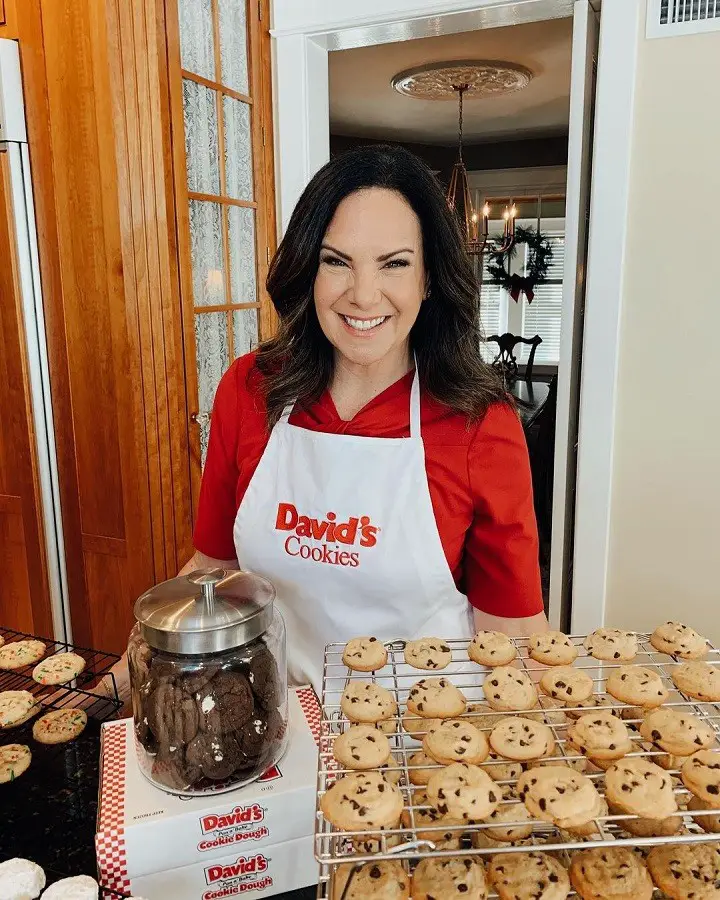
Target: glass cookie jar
<point>208,676</point>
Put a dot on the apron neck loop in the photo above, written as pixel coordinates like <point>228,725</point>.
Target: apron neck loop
<point>287,412</point>
<point>415,404</point>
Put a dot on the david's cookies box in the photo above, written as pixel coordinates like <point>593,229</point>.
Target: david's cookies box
<point>209,791</point>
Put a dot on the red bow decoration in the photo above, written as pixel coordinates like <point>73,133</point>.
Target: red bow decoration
<point>520,285</point>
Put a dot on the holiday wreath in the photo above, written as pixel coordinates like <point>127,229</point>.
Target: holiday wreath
<point>540,256</point>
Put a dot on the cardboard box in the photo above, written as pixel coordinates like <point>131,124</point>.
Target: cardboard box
<point>248,872</point>
<point>142,830</point>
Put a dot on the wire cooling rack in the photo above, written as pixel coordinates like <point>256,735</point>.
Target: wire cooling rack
<point>333,847</point>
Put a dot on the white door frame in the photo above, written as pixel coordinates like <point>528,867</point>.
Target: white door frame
<point>304,33</point>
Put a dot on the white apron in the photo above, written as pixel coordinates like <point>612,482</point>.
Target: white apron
<point>344,528</point>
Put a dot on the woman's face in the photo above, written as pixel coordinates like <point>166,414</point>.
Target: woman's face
<point>371,278</point>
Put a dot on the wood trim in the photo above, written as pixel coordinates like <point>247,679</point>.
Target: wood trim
<point>8,19</point>
<point>9,503</point>
<point>106,546</point>
<point>216,85</point>
<point>3,19</point>
<point>225,307</point>
<point>222,199</point>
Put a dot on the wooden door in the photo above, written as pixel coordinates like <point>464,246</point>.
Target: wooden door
<point>24,591</point>
<point>222,147</point>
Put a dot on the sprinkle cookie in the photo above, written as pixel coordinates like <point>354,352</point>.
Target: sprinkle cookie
<point>682,871</point>
<point>365,654</point>
<point>59,668</point>
<point>361,747</point>
<point>365,701</point>
<point>19,654</point>
<point>699,680</point>
<point>14,760</point>
<point>491,648</point>
<point>612,645</point>
<point>600,735</point>
<point>17,707</point>
<point>638,686</point>
<point>457,876</point>
<point>610,873</point>
<point>641,788</point>
<point>522,739</point>
<point>382,880</point>
<point>464,792</point>
<point>428,653</point>
<point>677,639</point>
<point>567,684</point>
<point>559,795</point>
<point>701,774</point>
<point>60,726</point>
<point>529,876</point>
<point>456,741</point>
<point>508,689</point>
<point>436,698</point>
<point>676,732</point>
<point>362,801</point>
<point>552,648</point>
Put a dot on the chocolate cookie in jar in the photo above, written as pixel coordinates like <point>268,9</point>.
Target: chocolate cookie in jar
<point>208,679</point>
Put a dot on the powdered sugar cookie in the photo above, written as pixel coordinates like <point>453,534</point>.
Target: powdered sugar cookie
<point>14,760</point>
<point>21,879</point>
<point>17,707</point>
<point>18,654</point>
<point>60,726</point>
<point>59,668</point>
<point>79,887</point>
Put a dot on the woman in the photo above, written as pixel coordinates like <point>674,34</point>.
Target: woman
<point>366,460</point>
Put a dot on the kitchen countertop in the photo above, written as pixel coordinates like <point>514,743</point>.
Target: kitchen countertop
<point>48,814</point>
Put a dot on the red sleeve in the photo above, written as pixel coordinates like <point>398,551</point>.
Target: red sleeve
<point>502,572</point>
<point>213,533</point>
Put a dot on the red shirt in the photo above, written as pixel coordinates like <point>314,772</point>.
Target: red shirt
<point>479,478</point>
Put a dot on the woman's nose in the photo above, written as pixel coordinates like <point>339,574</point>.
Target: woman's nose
<point>365,290</point>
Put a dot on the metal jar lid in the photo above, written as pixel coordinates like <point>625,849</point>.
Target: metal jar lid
<point>207,611</point>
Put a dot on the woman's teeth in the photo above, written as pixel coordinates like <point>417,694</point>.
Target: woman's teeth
<point>364,324</point>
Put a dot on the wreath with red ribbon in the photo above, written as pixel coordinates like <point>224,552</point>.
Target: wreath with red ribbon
<point>538,262</point>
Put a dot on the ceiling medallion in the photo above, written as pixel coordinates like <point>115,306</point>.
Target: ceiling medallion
<point>483,77</point>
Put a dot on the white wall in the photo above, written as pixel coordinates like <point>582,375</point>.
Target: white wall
<point>665,526</point>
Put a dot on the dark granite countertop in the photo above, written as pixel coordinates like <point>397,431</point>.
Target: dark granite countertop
<point>48,814</point>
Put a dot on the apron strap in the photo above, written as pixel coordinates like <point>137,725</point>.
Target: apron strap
<point>287,412</point>
<point>415,405</point>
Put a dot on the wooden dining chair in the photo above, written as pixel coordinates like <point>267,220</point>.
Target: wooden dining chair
<point>506,362</point>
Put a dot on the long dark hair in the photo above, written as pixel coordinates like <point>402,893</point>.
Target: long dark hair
<point>298,361</point>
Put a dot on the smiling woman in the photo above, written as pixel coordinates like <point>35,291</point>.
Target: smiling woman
<point>366,460</point>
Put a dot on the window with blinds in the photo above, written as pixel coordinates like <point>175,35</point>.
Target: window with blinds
<point>543,315</point>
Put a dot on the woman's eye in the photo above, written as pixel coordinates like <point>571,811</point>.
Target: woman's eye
<point>397,264</point>
<point>333,260</point>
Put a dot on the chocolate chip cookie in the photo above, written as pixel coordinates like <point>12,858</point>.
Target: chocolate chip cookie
<point>420,768</point>
<point>610,873</point>
<point>382,880</point>
<point>436,698</point>
<point>709,821</point>
<point>511,822</point>
<point>701,774</point>
<point>463,791</point>
<point>365,654</point>
<point>522,739</point>
<point>456,741</point>
<point>641,788</point>
<point>361,747</point>
<point>508,689</point>
<point>365,701</point>
<point>501,769</point>
<point>699,680</point>
<point>677,732</point>
<point>612,645</point>
<point>559,795</point>
<point>677,639</point>
<point>428,653</point>
<point>682,871</point>
<point>457,876</point>
<point>638,686</point>
<point>528,876</point>
<point>362,801</point>
<point>567,684</point>
<point>552,648</point>
<point>600,735</point>
<point>491,648</point>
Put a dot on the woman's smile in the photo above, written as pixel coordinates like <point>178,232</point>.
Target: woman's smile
<point>361,327</point>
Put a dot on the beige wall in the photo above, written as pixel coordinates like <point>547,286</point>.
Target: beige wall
<point>665,541</point>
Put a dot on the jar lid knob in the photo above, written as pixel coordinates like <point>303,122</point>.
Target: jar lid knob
<point>207,579</point>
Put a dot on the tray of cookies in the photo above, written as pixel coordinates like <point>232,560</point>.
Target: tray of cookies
<point>542,767</point>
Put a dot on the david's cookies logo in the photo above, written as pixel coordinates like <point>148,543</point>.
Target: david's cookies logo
<point>242,823</point>
<point>311,539</point>
<point>246,874</point>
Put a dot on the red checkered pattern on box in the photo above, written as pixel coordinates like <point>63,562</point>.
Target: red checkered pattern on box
<point>311,708</point>
<point>110,837</point>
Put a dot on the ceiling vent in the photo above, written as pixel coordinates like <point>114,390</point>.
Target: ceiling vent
<point>666,18</point>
